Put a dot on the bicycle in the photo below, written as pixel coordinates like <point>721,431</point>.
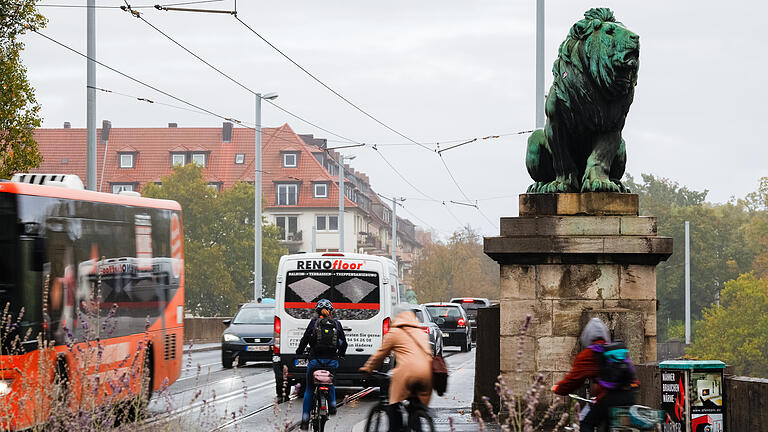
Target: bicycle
<point>318,415</point>
<point>419,419</point>
<point>634,418</point>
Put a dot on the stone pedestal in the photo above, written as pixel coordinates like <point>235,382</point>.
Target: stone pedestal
<point>565,259</point>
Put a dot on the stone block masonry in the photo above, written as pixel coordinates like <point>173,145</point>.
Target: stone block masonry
<point>568,258</point>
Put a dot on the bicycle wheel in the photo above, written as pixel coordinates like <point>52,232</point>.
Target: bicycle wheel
<point>377,420</point>
<point>420,421</point>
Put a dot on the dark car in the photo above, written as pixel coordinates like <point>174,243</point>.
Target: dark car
<point>248,336</point>
<point>471,305</point>
<point>453,323</point>
<point>430,328</point>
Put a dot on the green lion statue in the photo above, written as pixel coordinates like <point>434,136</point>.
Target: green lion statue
<point>581,148</point>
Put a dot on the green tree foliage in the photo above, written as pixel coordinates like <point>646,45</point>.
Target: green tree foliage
<point>218,241</point>
<point>720,245</point>
<point>736,331</point>
<point>456,268</point>
<point>19,110</point>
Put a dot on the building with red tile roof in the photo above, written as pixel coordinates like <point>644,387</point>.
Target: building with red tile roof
<point>299,177</point>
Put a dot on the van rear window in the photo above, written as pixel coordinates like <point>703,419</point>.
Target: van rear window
<point>355,294</point>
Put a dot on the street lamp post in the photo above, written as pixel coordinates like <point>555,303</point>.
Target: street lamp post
<point>257,222</point>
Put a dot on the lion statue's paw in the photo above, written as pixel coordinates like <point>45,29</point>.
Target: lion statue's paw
<point>558,186</point>
<point>600,185</point>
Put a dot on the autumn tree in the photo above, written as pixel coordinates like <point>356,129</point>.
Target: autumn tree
<point>218,241</point>
<point>720,249</point>
<point>736,330</point>
<point>19,110</point>
<point>456,268</point>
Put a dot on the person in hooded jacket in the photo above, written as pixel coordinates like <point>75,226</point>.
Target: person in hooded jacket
<point>412,375</point>
<point>587,365</point>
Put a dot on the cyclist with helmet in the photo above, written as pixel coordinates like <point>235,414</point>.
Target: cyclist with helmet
<point>327,344</point>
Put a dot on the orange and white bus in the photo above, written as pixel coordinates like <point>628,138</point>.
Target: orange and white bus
<point>93,286</point>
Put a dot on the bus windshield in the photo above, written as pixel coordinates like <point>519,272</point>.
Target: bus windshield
<point>355,294</point>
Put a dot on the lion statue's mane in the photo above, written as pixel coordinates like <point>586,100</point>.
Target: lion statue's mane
<point>580,148</point>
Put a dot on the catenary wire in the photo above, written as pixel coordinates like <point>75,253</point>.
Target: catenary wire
<point>238,83</point>
<point>329,88</point>
<point>207,111</point>
<point>132,7</point>
<point>453,178</point>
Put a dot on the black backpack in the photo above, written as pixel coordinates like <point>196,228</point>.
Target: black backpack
<point>615,369</point>
<point>325,338</point>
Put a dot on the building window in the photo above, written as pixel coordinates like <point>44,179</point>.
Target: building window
<point>119,187</point>
<point>327,223</point>
<point>288,225</point>
<point>240,158</point>
<point>321,190</point>
<point>199,158</point>
<point>287,194</point>
<point>178,159</point>
<point>126,160</point>
<point>289,160</point>
<point>215,186</point>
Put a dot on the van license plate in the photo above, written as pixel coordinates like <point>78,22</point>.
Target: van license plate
<point>257,348</point>
<point>301,362</point>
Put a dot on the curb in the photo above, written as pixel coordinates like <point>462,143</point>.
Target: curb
<point>202,349</point>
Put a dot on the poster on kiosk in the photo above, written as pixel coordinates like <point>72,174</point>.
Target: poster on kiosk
<point>692,395</point>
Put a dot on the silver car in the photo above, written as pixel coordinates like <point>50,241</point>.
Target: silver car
<point>430,328</point>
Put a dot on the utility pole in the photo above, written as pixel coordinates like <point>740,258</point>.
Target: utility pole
<point>341,200</point>
<point>340,223</point>
<point>539,64</point>
<point>394,229</point>
<point>687,283</point>
<point>257,222</point>
<point>90,110</point>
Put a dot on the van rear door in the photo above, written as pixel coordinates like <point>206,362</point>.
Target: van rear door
<point>356,294</point>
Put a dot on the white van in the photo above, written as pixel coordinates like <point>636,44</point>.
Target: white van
<point>363,290</point>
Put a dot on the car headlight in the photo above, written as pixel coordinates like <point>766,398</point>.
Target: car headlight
<point>5,386</point>
<point>229,337</point>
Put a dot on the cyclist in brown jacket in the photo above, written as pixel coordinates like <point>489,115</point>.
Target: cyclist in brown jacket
<point>413,371</point>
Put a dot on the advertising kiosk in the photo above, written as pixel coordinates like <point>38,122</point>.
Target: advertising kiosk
<point>692,395</point>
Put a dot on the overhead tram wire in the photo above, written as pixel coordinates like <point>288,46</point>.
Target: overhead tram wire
<point>329,88</point>
<point>238,83</point>
<point>125,75</point>
<point>133,7</point>
<point>243,124</point>
<point>138,15</point>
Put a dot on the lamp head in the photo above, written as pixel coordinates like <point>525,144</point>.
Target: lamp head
<point>269,96</point>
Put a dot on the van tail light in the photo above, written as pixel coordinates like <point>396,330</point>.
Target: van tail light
<point>468,301</point>
<point>426,329</point>
<point>276,340</point>
<point>385,326</point>
<point>335,254</point>
<point>461,322</point>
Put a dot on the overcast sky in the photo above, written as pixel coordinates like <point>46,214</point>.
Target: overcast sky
<point>435,71</point>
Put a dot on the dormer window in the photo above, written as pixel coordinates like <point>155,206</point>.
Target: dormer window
<point>199,158</point>
<point>126,160</point>
<point>321,190</point>
<point>287,194</point>
<point>240,158</point>
<point>290,160</point>
<point>178,159</point>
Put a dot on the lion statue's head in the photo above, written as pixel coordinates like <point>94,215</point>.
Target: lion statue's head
<point>603,48</point>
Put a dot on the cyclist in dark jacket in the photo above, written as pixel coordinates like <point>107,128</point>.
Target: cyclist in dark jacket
<point>587,366</point>
<point>320,358</point>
